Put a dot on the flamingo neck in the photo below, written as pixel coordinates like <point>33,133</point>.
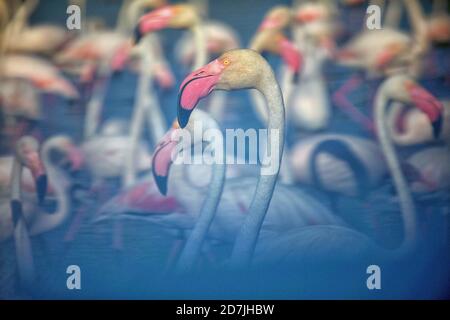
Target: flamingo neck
<point>193,245</point>
<point>57,179</point>
<point>401,186</point>
<point>16,178</point>
<point>248,234</point>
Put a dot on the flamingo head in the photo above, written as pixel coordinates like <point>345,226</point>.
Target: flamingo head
<point>27,152</point>
<point>277,18</point>
<point>175,141</point>
<point>235,69</point>
<point>406,90</point>
<point>179,16</point>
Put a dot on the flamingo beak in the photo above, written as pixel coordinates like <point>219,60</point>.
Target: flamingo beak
<point>37,171</point>
<point>426,102</point>
<point>156,20</point>
<point>195,86</point>
<point>291,56</point>
<point>162,160</point>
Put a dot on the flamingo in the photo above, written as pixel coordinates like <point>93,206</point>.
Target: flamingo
<point>333,241</point>
<point>270,38</point>
<point>175,16</point>
<point>180,16</point>
<point>245,69</point>
<point>408,126</point>
<point>338,163</point>
<point>308,104</point>
<point>382,52</point>
<point>22,219</point>
<point>40,39</point>
<point>194,192</point>
<point>39,72</point>
<point>351,165</point>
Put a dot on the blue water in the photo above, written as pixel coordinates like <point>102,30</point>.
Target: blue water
<point>136,271</point>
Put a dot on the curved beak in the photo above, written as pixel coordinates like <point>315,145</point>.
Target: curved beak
<point>162,160</point>
<point>291,56</point>
<point>153,21</point>
<point>426,102</point>
<point>195,86</point>
<point>37,171</point>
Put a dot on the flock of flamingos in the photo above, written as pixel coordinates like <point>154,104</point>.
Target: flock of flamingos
<point>287,220</point>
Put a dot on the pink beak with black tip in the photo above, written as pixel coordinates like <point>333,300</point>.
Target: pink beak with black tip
<point>162,160</point>
<point>195,86</point>
<point>426,102</point>
<point>156,20</point>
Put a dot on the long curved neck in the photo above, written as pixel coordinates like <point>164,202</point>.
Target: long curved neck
<point>95,104</point>
<point>193,246</point>
<point>419,26</point>
<point>401,186</point>
<point>44,221</point>
<point>248,234</point>
<point>145,107</point>
<point>393,14</point>
<point>200,45</point>
<point>22,242</point>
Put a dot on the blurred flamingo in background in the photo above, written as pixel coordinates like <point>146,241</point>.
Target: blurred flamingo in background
<point>181,206</point>
<point>408,126</point>
<point>40,39</point>
<point>313,29</point>
<point>24,218</point>
<point>298,247</point>
<point>382,52</point>
<point>254,70</point>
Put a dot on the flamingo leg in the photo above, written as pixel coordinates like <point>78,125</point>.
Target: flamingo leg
<point>341,100</point>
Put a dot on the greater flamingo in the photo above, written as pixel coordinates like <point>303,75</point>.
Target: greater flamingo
<point>380,53</point>
<point>245,69</point>
<point>408,126</point>
<point>335,241</point>
<point>39,39</point>
<point>193,193</point>
<point>23,219</point>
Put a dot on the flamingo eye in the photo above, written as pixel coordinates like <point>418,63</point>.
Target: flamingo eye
<point>226,62</point>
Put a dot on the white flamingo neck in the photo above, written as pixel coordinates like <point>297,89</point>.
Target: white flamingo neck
<point>60,184</point>
<point>401,186</point>
<point>248,234</point>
